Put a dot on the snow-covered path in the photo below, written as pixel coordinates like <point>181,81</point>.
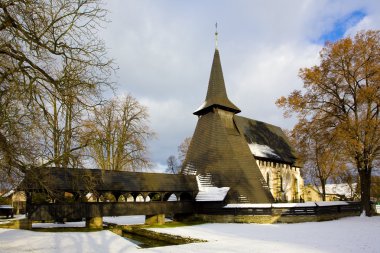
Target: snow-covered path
<point>12,241</point>
<point>346,235</point>
<point>353,234</point>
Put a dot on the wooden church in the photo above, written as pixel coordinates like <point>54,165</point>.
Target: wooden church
<point>234,168</point>
<point>249,161</point>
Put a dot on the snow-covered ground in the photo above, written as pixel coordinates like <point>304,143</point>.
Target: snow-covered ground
<point>354,234</point>
<point>7,220</point>
<point>121,220</point>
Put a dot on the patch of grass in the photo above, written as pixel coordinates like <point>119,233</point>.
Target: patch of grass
<point>143,231</point>
<point>173,224</point>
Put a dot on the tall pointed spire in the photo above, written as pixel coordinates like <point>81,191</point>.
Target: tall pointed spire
<point>218,150</point>
<point>216,93</point>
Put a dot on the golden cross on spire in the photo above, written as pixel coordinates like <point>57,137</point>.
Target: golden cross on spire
<point>216,35</point>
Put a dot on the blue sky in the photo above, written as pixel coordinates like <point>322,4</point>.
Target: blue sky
<point>164,51</point>
<point>341,25</point>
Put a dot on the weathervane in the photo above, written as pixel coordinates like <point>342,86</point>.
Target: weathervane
<point>216,35</point>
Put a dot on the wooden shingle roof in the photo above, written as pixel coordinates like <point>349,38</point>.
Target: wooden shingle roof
<point>216,92</point>
<point>267,141</point>
<point>217,149</point>
<point>68,179</point>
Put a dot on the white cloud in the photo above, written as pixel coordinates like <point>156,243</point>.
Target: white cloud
<point>172,123</point>
<point>164,50</point>
<point>268,75</point>
<point>366,23</point>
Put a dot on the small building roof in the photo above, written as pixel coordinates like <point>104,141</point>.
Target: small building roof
<point>7,194</point>
<point>342,189</point>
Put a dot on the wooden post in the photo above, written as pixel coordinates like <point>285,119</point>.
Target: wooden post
<point>94,222</point>
<point>157,219</point>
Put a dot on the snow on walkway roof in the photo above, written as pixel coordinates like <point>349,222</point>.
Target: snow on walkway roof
<point>209,192</point>
<point>212,193</point>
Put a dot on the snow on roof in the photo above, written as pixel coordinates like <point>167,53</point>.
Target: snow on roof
<point>340,189</point>
<point>7,194</point>
<point>209,192</point>
<point>262,150</point>
<point>201,107</point>
<point>287,205</point>
<point>331,203</point>
<point>6,207</point>
<point>306,204</point>
<point>212,193</point>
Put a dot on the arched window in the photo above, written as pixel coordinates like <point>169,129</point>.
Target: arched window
<point>169,196</point>
<point>281,184</point>
<point>140,198</point>
<point>129,198</point>
<point>268,179</point>
<point>109,197</point>
<point>154,196</point>
<point>121,198</point>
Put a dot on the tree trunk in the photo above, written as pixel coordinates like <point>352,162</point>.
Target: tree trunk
<point>365,191</point>
<point>67,138</point>
<point>56,134</point>
<point>323,185</point>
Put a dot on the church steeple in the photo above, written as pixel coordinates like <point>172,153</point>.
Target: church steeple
<point>216,93</point>
<point>218,150</point>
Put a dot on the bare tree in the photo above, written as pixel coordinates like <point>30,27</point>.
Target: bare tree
<point>117,134</point>
<point>52,67</point>
<point>172,163</point>
<point>182,150</point>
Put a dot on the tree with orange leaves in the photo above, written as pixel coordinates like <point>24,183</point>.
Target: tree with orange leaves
<point>341,97</point>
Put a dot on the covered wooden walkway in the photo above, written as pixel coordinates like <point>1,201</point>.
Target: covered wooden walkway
<point>75,194</point>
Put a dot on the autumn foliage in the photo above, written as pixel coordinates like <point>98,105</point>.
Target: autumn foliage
<point>341,97</point>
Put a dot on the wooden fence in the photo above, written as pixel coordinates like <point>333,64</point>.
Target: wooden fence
<point>217,209</point>
<point>94,209</point>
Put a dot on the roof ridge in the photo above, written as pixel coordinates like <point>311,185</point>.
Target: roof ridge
<point>266,123</point>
